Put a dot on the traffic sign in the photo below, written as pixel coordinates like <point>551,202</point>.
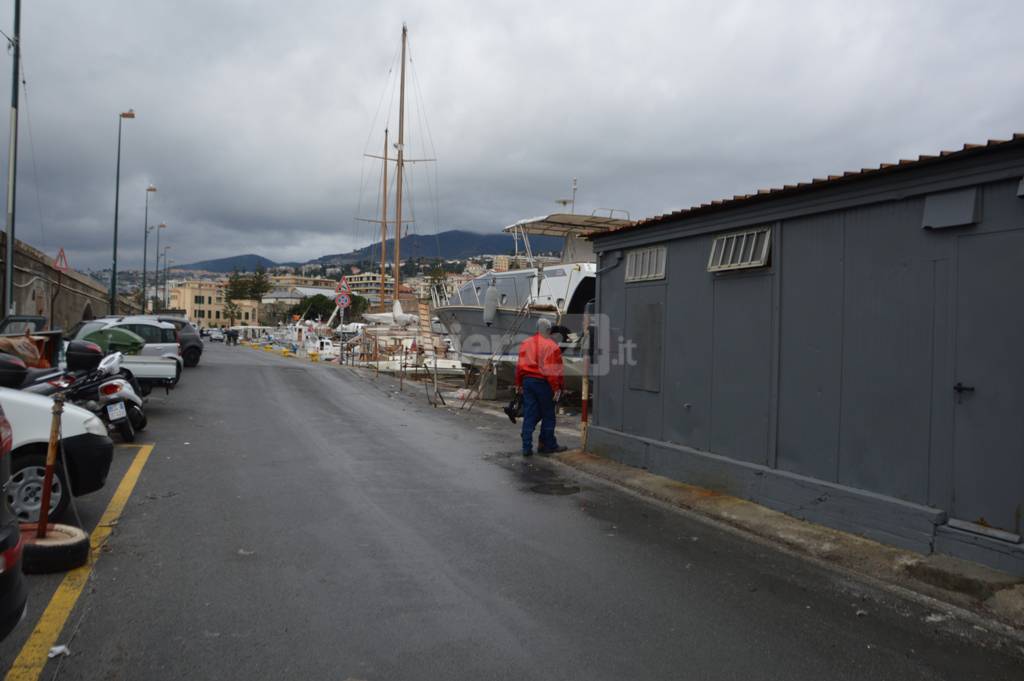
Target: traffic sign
<point>60,263</point>
<point>342,300</point>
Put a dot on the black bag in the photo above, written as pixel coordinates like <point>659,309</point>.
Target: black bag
<point>514,408</point>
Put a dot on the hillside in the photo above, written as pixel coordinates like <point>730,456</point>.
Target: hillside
<point>453,244</point>
<point>243,263</point>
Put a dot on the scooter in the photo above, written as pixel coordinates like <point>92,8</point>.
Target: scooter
<point>102,391</point>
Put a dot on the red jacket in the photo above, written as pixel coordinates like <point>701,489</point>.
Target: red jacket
<point>540,357</point>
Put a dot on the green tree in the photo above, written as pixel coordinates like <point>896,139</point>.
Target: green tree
<point>313,307</point>
<point>259,284</point>
<point>231,311</point>
<point>359,306</point>
<point>237,287</point>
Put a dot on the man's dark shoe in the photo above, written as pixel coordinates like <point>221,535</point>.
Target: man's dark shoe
<point>527,452</point>
<point>556,450</point>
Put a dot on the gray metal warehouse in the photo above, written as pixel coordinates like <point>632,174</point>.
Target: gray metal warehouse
<point>848,350</point>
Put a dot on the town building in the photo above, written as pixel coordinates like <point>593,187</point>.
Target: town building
<point>203,302</point>
<point>367,284</point>
<point>290,280</point>
<point>846,350</point>
<point>474,268</point>
<point>295,294</point>
<point>502,263</point>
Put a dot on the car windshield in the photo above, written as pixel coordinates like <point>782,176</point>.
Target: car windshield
<point>84,328</point>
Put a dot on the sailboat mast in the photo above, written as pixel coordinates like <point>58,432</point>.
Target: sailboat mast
<point>384,224</point>
<point>400,170</point>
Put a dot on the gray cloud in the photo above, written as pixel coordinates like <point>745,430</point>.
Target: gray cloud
<point>253,116</point>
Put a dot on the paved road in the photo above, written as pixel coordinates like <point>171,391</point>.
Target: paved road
<point>298,521</point>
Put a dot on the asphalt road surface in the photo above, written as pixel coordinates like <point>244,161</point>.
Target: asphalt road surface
<point>300,521</point>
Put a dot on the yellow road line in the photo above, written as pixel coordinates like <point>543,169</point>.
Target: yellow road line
<point>33,656</point>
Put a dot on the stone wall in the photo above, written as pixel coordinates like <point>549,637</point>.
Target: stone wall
<point>65,298</point>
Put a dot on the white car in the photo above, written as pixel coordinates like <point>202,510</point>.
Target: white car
<point>161,337</point>
<point>86,445</point>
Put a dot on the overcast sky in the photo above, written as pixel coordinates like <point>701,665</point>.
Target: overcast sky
<point>253,116</point>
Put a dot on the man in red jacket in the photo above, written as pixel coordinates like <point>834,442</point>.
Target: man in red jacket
<point>539,379</point>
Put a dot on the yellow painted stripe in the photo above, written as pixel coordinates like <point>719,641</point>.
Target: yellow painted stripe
<point>33,656</point>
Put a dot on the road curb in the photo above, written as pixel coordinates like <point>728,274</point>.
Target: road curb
<point>978,589</point>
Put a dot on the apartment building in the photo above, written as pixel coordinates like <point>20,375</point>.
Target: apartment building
<point>203,303</point>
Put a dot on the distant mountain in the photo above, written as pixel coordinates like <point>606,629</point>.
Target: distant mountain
<point>243,263</point>
<point>451,245</point>
<point>454,244</point>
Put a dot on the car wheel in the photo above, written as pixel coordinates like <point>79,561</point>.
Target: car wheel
<point>192,356</point>
<point>63,548</point>
<point>24,492</point>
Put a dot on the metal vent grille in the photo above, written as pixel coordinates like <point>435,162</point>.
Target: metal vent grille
<point>740,250</point>
<point>645,264</point>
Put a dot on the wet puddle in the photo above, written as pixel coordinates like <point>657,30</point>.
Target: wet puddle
<point>536,475</point>
<point>557,489</point>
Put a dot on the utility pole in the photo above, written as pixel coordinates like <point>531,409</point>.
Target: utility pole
<point>12,164</point>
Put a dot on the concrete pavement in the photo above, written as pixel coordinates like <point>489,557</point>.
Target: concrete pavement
<point>302,521</point>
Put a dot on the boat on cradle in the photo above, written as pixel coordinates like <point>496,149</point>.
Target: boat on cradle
<point>489,316</point>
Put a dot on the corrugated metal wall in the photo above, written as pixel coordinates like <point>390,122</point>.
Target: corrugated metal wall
<point>836,362</point>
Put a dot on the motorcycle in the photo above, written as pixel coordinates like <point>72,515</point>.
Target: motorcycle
<point>98,386</point>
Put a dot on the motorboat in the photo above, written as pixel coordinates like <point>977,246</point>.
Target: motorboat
<point>489,316</point>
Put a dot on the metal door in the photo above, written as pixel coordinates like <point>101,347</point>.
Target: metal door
<point>988,383</point>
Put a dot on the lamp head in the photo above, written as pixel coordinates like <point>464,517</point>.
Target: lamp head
<point>130,113</point>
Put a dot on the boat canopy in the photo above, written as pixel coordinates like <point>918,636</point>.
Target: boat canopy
<point>575,231</point>
<point>567,224</point>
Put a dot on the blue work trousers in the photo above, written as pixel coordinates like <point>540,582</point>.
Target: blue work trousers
<point>538,405</point>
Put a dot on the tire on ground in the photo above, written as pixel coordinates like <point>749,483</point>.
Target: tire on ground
<point>137,417</point>
<point>126,430</point>
<point>191,357</point>
<point>64,548</point>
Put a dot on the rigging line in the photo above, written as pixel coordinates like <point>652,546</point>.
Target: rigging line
<point>434,191</point>
<point>32,151</point>
<point>363,179</point>
<point>380,101</point>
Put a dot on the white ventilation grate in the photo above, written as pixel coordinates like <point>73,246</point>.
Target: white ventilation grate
<point>740,250</point>
<point>645,264</point>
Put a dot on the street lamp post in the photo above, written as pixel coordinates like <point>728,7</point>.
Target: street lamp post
<point>130,113</point>
<point>156,265</point>
<point>145,245</point>
<point>166,248</point>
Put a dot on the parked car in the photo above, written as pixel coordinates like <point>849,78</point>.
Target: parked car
<point>216,336</point>
<point>85,448</point>
<point>148,371</point>
<point>13,595</point>
<point>161,337</point>
<point>188,337</point>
